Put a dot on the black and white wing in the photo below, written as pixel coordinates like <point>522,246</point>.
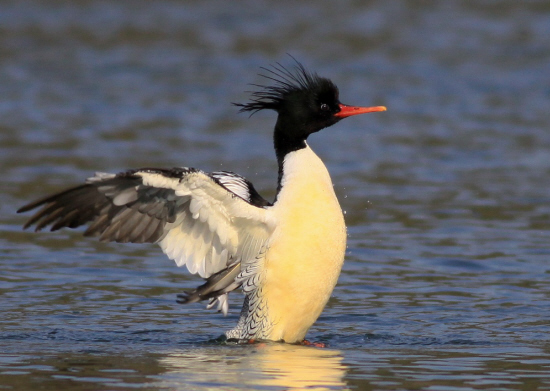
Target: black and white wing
<point>215,224</point>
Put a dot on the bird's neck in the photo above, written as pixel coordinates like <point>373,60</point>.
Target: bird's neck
<point>304,178</point>
<point>285,143</point>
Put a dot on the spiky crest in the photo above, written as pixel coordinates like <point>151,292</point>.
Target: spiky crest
<point>287,82</point>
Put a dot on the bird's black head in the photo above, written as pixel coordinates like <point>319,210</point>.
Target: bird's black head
<point>305,102</point>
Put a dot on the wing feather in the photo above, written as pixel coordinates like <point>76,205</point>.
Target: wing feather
<point>215,224</point>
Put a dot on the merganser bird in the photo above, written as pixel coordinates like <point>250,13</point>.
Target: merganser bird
<point>285,255</point>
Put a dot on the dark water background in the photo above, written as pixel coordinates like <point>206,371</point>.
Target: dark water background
<point>446,285</point>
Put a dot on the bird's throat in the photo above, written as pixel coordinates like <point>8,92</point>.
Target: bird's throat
<point>285,142</point>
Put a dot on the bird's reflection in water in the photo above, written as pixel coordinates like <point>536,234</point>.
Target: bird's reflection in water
<point>275,365</point>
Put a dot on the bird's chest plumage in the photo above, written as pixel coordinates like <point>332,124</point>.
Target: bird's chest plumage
<point>307,249</point>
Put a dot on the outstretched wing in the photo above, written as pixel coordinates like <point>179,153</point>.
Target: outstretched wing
<point>215,224</point>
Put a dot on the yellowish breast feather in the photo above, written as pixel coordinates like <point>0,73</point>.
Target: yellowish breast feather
<point>306,252</point>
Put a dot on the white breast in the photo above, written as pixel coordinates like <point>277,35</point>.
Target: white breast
<point>307,248</point>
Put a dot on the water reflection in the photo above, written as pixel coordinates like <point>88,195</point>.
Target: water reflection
<point>290,367</point>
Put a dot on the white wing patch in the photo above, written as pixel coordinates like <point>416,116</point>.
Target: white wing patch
<point>215,228</point>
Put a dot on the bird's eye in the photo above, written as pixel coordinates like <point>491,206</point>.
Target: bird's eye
<point>324,107</point>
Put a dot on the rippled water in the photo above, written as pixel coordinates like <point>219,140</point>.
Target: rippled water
<point>447,279</point>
